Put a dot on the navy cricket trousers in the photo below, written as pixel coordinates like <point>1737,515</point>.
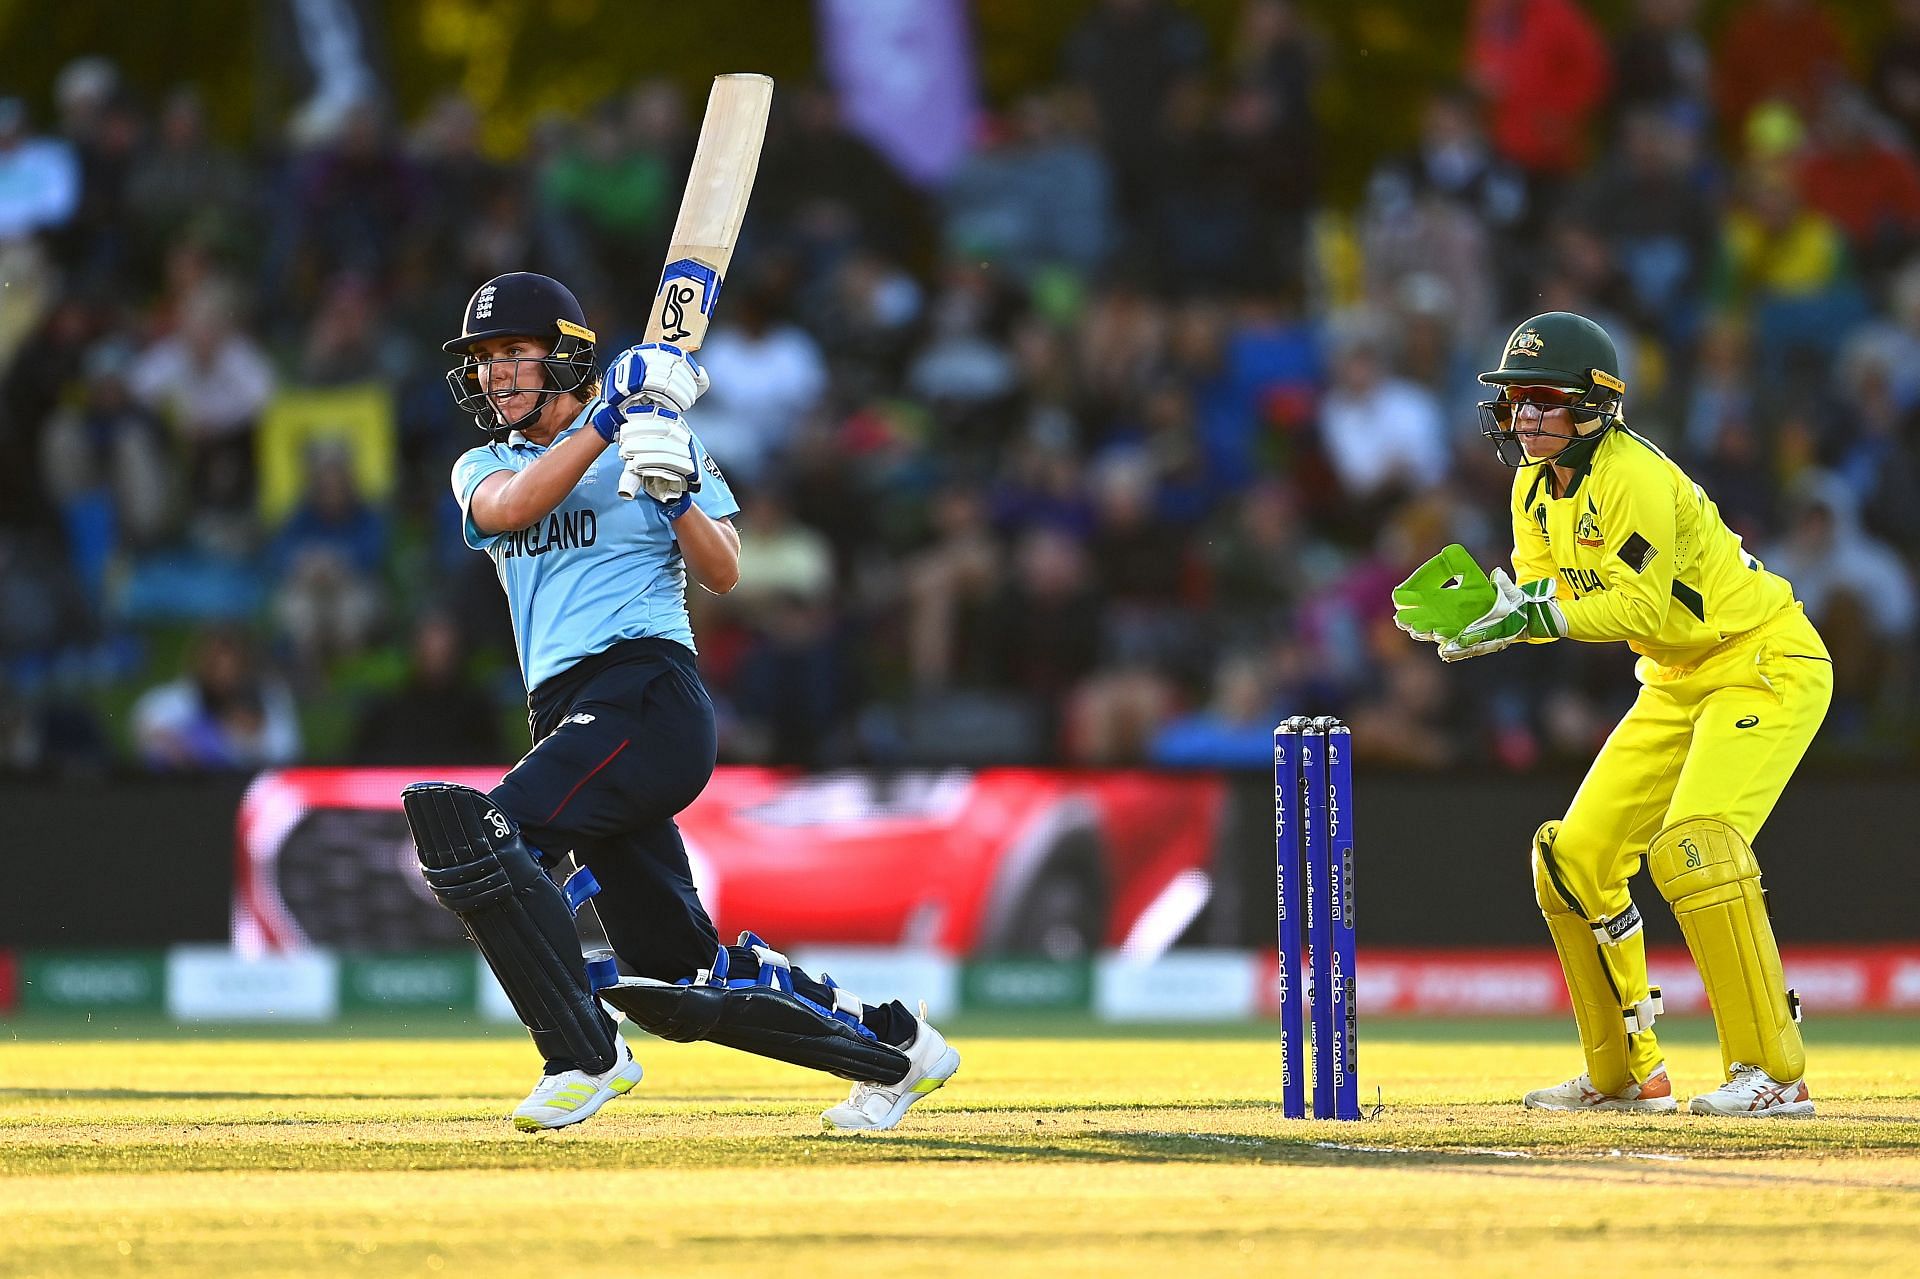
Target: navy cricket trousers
<point>623,740</point>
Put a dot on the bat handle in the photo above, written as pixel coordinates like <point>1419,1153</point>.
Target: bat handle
<point>630,480</point>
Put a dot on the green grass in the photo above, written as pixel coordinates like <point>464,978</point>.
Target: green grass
<point>133,1149</point>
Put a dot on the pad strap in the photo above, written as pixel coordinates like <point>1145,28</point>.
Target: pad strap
<point>763,1020</point>
<point>580,886</point>
<point>1639,1017</point>
<point>1611,932</point>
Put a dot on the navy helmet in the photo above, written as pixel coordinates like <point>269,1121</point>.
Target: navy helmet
<point>522,304</point>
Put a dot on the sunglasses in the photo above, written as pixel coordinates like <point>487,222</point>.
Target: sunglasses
<point>1540,395</point>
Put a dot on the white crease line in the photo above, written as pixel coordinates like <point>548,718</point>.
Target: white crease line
<point>1491,1152</point>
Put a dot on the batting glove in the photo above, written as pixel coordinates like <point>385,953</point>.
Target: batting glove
<point>656,445</point>
<point>652,373</point>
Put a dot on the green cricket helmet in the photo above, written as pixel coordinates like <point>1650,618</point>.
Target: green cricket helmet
<point>1553,361</point>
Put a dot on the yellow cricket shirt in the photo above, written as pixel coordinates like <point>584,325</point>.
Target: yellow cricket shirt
<point>1639,551</point>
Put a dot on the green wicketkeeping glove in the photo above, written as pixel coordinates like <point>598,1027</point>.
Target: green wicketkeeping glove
<point>1526,611</point>
<point>1443,596</point>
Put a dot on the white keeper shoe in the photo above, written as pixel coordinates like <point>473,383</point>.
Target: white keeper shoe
<point>573,1095</point>
<point>1653,1097</point>
<point>876,1107</point>
<point>1753,1094</point>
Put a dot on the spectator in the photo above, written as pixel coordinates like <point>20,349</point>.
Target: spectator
<point>439,715</point>
<point>223,713</point>
<point>1437,209</point>
<point>1039,198</point>
<point>1659,227</point>
<point>1896,70</point>
<point>210,381</point>
<point>350,198</point>
<point>1259,563</point>
<point>1541,70</point>
<point>1723,393</point>
<point>349,340</point>
<point>1894,338</point>
<point>1661,63</point>
<point>39,177</point>
<point>830,187</point>
<point>1379,430</point>
<point>1453,160</point>
<point>1874,460</point>
<point>781,557</point>
<point>1785,49</point>
<point>1278,55</point>
<point>1829,558</point>
<point>105,465</point>
<point>616,179</point>
<point>949,587</point>
<point>46,615</point>
<point>183,183</point>
<point>1043,634</point>
<point>1790,263</point>
<point>326,560</point>
<point>1128,55</point>
<point>105,133</point>
<point>767,375</point>
<point>1853,171</point>
<point>1234,730</point>
<point>962,372</point>
<point>1858,592</point>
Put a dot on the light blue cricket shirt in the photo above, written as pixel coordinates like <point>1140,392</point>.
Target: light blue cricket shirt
<point>600,569</point>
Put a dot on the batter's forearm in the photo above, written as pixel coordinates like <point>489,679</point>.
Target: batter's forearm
<point>711,549</point>
<point>523,497</point>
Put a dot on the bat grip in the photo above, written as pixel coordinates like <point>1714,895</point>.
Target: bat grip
<point>630,480</point>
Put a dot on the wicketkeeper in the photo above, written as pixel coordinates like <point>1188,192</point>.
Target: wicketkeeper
<point>1612,541</point>
<point>623,730</point>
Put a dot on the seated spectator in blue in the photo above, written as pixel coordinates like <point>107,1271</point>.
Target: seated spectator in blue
<point>440,715</point>
<point>39,177</point>
<point>326,560</point>
<point>1234,730</point>
<point>104,462</point>
<point>223,713</point>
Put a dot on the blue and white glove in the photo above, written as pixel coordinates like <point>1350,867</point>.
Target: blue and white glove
<point>1526,611</point>
<point>656,446</point>
<point>651,373</point>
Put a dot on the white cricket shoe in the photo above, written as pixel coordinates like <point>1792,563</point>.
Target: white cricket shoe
<point>1753,1093</point>
<point>573,1095</point>
<point>876,1107</point>
<point>1653,1097</point>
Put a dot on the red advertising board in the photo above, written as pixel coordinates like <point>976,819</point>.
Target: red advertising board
<point>956,861</point>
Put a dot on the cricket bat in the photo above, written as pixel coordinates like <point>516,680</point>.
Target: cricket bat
<point>711,210</point>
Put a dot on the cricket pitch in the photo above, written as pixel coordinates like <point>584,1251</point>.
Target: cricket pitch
<point>1104,1152</point>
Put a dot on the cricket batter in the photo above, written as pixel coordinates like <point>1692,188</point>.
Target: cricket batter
<point>623,731</point>
<point>1612,541</point>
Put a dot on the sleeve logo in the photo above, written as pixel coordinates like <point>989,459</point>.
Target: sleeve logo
<point>1637,553</point>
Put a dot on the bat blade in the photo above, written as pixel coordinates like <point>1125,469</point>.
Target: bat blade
<point>711,210</point>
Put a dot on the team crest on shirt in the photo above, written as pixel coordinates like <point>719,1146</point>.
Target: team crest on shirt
<point>1587,532</point>
<point>1528,343</point>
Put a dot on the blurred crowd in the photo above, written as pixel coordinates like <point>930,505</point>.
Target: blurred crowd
<point>1106,451</point>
